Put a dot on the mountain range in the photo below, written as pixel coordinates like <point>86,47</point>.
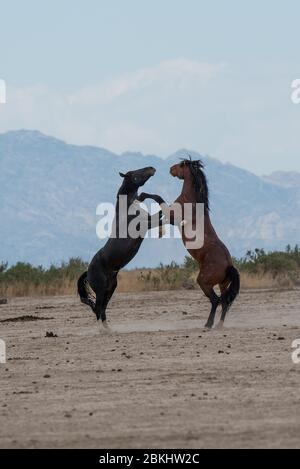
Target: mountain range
<point>50,190</point>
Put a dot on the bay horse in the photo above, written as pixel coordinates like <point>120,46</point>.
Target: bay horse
<point>215,263</point>
<point>102,272</point>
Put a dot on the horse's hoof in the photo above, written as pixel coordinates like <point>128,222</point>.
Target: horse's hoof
<point>220,326</point>
<point>104,327</point>
<point>208,327</point>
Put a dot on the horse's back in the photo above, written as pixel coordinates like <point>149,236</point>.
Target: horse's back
<point>115,255</point>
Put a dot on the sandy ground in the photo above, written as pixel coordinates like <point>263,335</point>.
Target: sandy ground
<point>159,381</point>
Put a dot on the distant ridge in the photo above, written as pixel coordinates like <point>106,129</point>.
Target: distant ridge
<point>50,189</point>
<point>284,178</point>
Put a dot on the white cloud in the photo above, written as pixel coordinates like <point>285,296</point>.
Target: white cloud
<point>140,110</point>
<point>179,71</point>
<point>227,112</point>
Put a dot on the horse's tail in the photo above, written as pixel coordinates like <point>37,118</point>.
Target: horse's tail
<point>228,297</point>
<point>85,297</point>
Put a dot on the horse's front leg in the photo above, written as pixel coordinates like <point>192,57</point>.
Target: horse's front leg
<point>167,210</point>
<point>156,220</point>
<point>157,198</point>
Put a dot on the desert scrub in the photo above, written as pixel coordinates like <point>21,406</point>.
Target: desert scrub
<point>168,277</point>
<point>258,269</point>
<point>279,264</point>
<point>23,279</point>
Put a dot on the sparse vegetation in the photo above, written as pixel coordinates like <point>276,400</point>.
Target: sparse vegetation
<point>165,277</point>
<point>282,266</point>
<point>23,279</point>
<point>258,268</point>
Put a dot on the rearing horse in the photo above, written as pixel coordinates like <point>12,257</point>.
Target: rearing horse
<point>103,270</point>
<point>216,267</point>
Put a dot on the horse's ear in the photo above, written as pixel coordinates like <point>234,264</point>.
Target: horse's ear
<point>122,175</point>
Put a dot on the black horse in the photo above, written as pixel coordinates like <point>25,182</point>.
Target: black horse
<point>102,272</point>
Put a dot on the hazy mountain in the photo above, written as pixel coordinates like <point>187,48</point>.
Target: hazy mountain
<point>50,191</point>
<point>284,178</point>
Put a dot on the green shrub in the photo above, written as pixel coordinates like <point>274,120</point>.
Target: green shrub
<point>23,275</point>
<point>23,278</point>
<point>276,262</point>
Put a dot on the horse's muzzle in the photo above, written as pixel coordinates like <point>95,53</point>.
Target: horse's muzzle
<point>151,171</point>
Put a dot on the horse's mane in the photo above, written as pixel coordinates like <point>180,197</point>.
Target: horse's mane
<point>199,179</point>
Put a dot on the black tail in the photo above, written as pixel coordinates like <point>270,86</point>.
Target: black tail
<point>228,297</point>
<point>85,297</point>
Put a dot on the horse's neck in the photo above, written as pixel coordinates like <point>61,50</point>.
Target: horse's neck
<point>131,196</point>
<point>188,193</point>
<point>129,193</point>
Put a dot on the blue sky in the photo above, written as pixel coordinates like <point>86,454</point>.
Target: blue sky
<point>156,76</point>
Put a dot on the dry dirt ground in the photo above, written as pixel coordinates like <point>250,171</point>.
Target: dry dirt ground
<point>159,380</point>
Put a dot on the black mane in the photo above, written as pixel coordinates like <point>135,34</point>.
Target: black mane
<point>200,182</point>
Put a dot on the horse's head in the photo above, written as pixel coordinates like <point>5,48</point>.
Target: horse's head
<point>192,170</point>
<point>180,170</point>
<point>137,178</point>
<point>185,167</point>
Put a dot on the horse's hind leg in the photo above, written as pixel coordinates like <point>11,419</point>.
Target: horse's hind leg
<point>100,310</point>
<point>214,299</point>
<point>99,282</point>
<point>100,302</point>
<point>225,307</point>
<point>112,284</point>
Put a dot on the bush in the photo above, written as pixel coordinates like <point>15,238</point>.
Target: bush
<point>276,263</point>
<point>22,278</point>
<point>167,277</point>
